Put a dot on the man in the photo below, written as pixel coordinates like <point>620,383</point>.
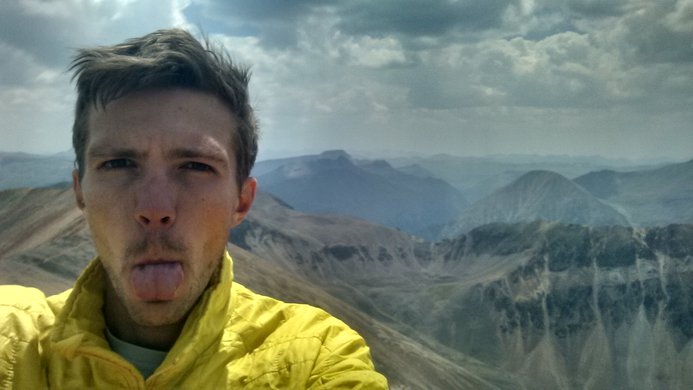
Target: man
<point>165,139</point>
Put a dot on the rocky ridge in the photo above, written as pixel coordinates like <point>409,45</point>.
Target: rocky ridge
<point>560,306</point>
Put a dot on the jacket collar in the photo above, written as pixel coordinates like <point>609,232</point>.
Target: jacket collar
<point>80,325</point>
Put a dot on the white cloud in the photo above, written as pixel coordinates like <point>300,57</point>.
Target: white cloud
<point>681,18</point>
<point>534,75</point>
<point>374,52</point>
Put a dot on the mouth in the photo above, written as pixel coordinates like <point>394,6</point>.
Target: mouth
<point>157,280</point>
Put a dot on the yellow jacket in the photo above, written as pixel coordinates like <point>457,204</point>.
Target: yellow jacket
<point>233,338</point>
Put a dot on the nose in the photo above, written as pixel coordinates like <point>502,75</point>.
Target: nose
<point>155,203</point>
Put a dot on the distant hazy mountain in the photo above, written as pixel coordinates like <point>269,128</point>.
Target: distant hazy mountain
<point>30,170</point>
<point>647,197</point>
<point>478,177</point>
<point>265,166</point>
<point>333,183</point>
<point>537,195</point>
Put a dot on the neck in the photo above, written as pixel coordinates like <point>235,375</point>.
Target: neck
<point>122,326</point>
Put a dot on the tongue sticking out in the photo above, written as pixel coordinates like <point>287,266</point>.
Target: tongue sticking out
<point>158,281</point>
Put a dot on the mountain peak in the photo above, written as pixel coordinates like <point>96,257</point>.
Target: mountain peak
<point>335,154</point>
<point>541,176</point>
<point>378,166</point>
<point>539,184</point>
<point>538,195</point>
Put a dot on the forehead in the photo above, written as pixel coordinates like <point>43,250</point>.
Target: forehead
<point>160,119</point>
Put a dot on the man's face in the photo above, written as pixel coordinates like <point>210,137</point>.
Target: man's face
<point>159,193</point>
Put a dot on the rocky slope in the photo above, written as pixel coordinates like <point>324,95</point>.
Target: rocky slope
<point>573,307</point>
<point>41,233</point>
<point>326,245</point>
<point>559,306</point>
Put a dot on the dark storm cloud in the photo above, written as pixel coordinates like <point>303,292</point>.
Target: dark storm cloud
<point>659,33</point>
<point>543,53</point>
<point>49,32</point>
<point>598,8</point>
<point>37,34</point>
<point>642,32</point>
<point>262,10</point>
<point>275,22</point>
<point>583,9</point>
<point>37,40</point>
<point>17,67</point>
<point>421,18</point>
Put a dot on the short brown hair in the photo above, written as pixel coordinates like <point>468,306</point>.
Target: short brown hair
<point>164,58</point>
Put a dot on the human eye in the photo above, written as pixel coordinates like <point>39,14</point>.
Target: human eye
<point>198,166</point>
<point>117,163</point>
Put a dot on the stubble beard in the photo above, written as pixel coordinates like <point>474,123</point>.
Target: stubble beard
<point>165,313</point>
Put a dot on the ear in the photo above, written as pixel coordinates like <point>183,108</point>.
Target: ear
<point>245,201</point>
<point>77,188</point>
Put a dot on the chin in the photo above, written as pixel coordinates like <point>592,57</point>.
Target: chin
<point>157,314</point>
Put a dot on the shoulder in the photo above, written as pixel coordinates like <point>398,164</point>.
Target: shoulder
<point>30,299</point>
<point>305,338</point>
<point>20,296</point>
<point>25,317</point>
<point>23,311</point>
<point>291,319</point>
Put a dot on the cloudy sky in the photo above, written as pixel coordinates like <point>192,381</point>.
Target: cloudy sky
<point>467,77</point>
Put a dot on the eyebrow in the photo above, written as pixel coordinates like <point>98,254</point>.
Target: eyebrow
<point>205,153</point>
<point>109,151</point>
<point>102,151</point>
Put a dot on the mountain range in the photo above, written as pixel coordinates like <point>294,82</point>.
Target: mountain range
<point>649,197</point>
<point>559,306</point>
<point>334,183</point>
<point>541,282</point>
<point>505,306</point>
<point>478,177</point>
<point>441,196</point>
<point>416,198</point>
